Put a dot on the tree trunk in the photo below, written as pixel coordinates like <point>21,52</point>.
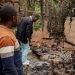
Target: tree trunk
<point>27,7</point>
<point>58,11</point>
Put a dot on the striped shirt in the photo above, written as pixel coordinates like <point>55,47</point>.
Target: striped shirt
<point>10,53</point>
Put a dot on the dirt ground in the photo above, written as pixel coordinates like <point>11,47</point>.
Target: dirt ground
<point>69,31</point>
<point>39,34</point>
<point>37,40</point>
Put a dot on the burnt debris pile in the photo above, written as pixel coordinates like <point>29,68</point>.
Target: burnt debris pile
<point>52,62</point>
<point>40,68</point>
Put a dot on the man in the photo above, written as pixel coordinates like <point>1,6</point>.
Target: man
<point>10,53</point>
<point>24,34</point>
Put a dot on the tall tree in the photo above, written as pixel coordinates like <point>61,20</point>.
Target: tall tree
<point>58,11</point>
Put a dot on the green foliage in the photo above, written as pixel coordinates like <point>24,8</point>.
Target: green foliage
<point>37,25</point>
<point>37,8</point>
<point>56,1</point>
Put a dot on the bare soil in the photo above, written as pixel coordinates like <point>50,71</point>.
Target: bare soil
<point>69,31</point>
<point>39,34</point>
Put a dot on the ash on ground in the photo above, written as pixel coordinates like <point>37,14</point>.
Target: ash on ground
<point>49,61</point>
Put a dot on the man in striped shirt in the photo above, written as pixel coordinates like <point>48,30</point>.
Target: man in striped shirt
<point>10,53</point>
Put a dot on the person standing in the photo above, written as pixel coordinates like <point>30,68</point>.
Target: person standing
<point>10,52</point>
<point>24,34</point>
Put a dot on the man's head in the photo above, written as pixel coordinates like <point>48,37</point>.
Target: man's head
<point>8,14</point>
<point>35,17</point>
